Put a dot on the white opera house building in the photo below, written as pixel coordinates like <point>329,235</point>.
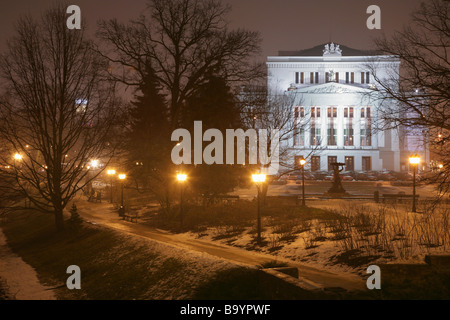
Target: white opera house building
<point>334,113</point>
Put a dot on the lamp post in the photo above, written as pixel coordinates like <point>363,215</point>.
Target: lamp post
<point>414,161</point>
<point>17,157</point>
<point>181,178</point>
<point>111,173</point>
<point>259,179</point>
<point>122,177</point>
<point>302,164</point>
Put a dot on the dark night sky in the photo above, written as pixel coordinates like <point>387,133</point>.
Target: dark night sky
<point>283,24</point>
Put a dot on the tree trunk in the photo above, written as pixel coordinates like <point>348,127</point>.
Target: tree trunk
<point>59,219</point>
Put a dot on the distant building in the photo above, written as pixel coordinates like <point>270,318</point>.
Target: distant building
<point>335,109</point>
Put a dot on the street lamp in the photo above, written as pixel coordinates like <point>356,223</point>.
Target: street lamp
<point>302,164</point>
<point>111,173</point>
<point>18,157</point>
<point>414,161</point>
<point>181,178</point>
<point>95,164</point>
<point>122,177</point>
<point>259,179</point>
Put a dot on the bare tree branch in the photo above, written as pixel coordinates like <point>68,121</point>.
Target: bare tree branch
<point>58,113</point>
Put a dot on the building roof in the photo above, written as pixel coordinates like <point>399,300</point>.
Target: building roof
<point>318,51</point>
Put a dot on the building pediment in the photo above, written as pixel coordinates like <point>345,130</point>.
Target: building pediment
<point>332,87</point>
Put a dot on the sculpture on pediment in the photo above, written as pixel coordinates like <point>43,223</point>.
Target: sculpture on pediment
<point>332,49</point>
<point>331,76</point>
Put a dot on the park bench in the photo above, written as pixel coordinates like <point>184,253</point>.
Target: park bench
<point>131,217</point>
<point>397,197</point>
<point>96,198</point>
<point>227,198</point>
<point>223,198</point>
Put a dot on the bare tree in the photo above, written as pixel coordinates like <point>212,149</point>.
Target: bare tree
<point>275,110</point>
<point>184,41</point>
<point>57,114</point>
<point>416,96</point>
<point>272,110</point>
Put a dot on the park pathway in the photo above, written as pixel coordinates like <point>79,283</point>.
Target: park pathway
<point>21,279</point>
<point>103,214</point>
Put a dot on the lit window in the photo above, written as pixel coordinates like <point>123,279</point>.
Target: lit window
<point>332,135</point>
<point>348,112</point>
<point>299,137</point>
<point>315,136</point>
<point>348,137</point>
<point>315,112</point>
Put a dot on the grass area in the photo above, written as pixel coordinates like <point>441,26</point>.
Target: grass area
<point>113,267</point>
<point>432,286</point>
<point>241,283</point>
<point>357,187</point>
<point>3,290</point>
<point>282,222</point>
<point>234,284</point>
<point>237,216</point>
<point>253,284</point>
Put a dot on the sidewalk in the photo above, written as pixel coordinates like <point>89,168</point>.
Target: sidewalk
<point>103,214</point>
<point>21,279</point>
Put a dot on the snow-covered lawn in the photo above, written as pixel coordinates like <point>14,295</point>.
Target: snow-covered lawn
<point>366,233</point>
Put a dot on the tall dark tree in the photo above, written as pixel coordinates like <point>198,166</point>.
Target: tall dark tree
<point>215,105</point>
<point>58,115</point>
<point>148,135</point>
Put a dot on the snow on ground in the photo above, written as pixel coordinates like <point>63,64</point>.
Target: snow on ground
<point>197,267</point>
<point>294,251</point>
<point>21,279</point>
<point>321,254</point>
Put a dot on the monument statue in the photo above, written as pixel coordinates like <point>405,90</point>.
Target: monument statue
<point>337,188</point>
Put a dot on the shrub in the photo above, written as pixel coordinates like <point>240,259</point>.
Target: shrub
<point>75,220</point>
